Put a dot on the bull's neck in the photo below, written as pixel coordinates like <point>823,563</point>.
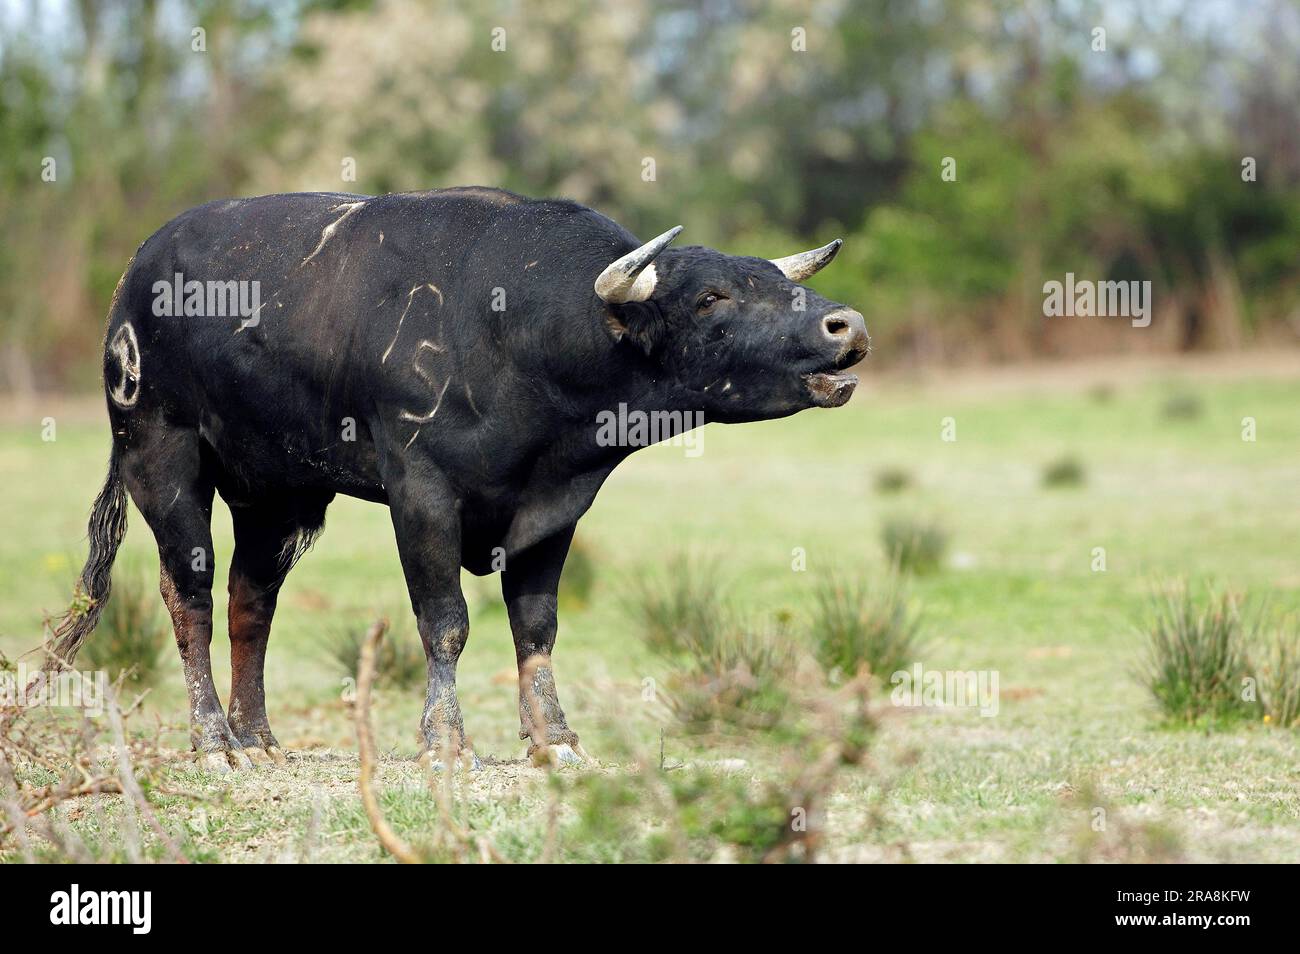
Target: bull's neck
<point>633,379</point>
<point>634,398</point>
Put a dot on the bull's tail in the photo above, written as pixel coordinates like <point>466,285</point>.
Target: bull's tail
<point>107,527</point>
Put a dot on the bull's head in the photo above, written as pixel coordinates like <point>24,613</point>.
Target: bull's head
<point>740,333</point>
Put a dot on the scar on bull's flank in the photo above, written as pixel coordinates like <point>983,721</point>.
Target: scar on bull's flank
<point>410,297</point>
<point>426,418</point>
<point>328,232</point>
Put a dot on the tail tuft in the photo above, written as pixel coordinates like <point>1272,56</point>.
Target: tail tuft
<point>106,529</point>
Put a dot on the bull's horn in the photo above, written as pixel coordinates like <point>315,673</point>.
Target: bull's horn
<point>807,264</point>
<point>628,279</point>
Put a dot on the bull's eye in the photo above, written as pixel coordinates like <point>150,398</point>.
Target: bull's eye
<point>707,301</point>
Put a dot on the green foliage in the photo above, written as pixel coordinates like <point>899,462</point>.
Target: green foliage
<point>1120,839</point>
<point>741,680</point>
<point>1102,393</point>
<point>1278,671</point>
<point>1196,656</point>
<point>680,611</point>
<point>865,624</point>
<point>892,480</point>
<point>1065,471</point>
<point>725,811</point>
<point>133,631</point>
<point>727,670</point>
<point>579,576</point>
<point>1114,171</point>
<point>913,544</point>
<point>1184,406</point>
<point>707,815</point>
<point>401,663</point>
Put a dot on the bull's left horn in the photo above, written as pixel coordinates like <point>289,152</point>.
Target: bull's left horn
<point>627,278</point>
<point>807,264</point>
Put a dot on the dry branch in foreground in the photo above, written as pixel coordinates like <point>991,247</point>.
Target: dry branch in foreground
<point>389,839</point>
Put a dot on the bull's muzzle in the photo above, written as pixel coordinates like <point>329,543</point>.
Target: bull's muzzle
<point>847,330</point>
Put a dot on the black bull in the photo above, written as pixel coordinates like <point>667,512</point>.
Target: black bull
<point>445,353</point>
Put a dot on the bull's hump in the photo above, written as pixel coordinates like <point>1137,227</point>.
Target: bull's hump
<point>499,198</point>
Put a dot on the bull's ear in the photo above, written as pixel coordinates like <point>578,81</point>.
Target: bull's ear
<point>642,325</point>
<point>807,264</point>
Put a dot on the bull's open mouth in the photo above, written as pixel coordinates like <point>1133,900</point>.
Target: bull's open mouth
<point>831,388</point>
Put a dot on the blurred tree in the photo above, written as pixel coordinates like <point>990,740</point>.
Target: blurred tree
<point>139,124</point>
<point>762,125</point>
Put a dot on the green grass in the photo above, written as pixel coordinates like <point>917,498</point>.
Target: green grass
<point>1165,499</point>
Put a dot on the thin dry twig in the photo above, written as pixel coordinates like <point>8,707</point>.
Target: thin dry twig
<point>134,796</point>
<point>388,839</point>
<point>14,809</point>
<point>69,752</point>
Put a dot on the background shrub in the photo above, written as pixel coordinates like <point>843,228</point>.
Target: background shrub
<point>1184,406</point>
<point>1065,471</point>
<point>579,576</point>
<point>1196,656</point>
<point>680,611</point>
<point>892,480</point>
<point>859,623</point>
<point>914,545</point>
<point>1278,672</point>
<point>401,663</point>
<point>133,631</point>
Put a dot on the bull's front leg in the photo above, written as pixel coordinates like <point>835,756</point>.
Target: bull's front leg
<point>427,523</point>
<point>529,584</point>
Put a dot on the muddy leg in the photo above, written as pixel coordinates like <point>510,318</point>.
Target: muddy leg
<point>267,538</point>
<point>529,586</point>
<point>427,524</point>
<point>165,478</point>
<point>250,610</point>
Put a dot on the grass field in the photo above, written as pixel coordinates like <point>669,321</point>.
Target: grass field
<point>1167,497</point>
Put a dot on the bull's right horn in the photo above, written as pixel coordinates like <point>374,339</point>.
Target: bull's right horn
<point>807,264</point>
<point>628,279</point>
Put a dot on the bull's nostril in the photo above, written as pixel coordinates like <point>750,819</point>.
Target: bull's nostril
<point>836,326</point>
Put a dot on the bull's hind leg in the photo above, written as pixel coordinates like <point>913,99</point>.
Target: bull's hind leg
<point>529,585</point>
<point>172,485</point>
<point>269,537</point>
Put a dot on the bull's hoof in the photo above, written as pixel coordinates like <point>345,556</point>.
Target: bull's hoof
<point>557,755</point>
<point>258,742</point>
<point>467,760</point>
<point>218,748</point>
<point>269,755</point>
<point>223,762</point>
<point>214,762</point>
